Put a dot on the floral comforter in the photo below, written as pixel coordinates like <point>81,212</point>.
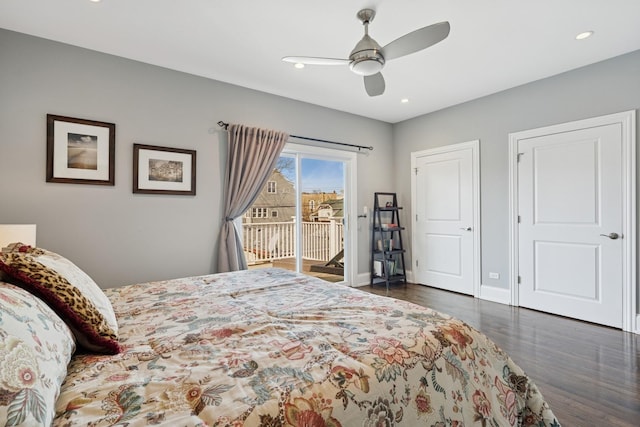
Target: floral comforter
<point>275,348</point>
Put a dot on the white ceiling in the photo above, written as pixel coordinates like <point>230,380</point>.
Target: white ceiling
<point>493,44</point>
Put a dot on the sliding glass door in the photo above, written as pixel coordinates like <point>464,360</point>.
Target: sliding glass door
<point>301,219</point>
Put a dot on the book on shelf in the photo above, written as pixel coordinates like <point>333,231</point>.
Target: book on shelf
<point>377,268</point>
<point>391,268</point>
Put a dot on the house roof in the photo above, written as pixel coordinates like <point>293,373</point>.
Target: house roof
<point>337,205</point>
<point>492,46</point>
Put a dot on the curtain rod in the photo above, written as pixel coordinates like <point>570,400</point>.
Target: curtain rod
<point>359,147</point>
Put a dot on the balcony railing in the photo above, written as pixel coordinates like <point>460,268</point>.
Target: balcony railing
<point>265,242</point>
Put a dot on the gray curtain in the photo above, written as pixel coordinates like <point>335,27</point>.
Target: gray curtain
<point>253,153</point>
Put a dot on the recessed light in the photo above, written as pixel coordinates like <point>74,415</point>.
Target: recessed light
<point>584,35</point>
<point>95,1</point>
<point>404,100</point>
<point>299,65</point>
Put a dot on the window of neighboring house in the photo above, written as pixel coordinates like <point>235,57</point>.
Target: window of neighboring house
<point>274,214</point>
<point>271,187</point>
<point>259,212</point>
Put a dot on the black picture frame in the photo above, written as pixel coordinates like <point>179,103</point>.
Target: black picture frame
<point>164,170</point>
<point>80,151</point>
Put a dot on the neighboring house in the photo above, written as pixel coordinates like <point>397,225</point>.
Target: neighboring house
<point>312,201</point>
<point>276,202</point>
<point>329,210</point>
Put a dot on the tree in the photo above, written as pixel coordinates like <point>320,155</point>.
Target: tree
<point>287,167</point>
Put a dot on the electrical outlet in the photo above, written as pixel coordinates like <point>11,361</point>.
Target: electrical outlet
<point>494,275</point>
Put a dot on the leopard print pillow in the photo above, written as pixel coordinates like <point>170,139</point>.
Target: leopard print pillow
<point>68,290</point>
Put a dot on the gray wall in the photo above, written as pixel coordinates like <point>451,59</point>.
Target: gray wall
<point>116,236</point>
<point>119,237</point>
<point>607,87</point>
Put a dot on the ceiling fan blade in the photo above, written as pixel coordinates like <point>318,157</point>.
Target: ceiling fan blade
<point>416,40</point>
<point>310,60</point>
<point>374,84</point>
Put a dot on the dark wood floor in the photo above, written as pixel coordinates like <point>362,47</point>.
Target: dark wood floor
<point>589,374</point>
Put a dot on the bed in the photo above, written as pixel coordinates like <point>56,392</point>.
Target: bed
<point>262,347</point>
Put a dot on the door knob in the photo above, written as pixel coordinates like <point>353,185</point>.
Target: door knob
<point>465,228</point>
<point>612,236</point>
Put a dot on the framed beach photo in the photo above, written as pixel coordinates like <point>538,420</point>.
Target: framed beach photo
<point>80,151</point>
<point>164,170</point>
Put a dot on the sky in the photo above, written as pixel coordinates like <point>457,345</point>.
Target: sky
<point>320,175</point>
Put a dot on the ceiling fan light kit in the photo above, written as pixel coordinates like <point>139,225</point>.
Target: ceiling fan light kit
<point>367,58</point>
<point>366,63</point>
<point>367,66</point>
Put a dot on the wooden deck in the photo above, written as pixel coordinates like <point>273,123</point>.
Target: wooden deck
<point>290,264</point>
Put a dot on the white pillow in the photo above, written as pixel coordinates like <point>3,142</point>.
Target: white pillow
<point>35,349</point>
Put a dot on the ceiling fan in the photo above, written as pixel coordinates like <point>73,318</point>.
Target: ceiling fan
<point>367,58</point>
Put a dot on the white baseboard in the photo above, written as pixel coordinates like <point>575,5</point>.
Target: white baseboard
<point>363,279</point>
<point>410,276</point>
<point>493,294</point>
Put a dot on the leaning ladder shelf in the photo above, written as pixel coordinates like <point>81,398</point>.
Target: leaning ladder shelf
<point>387,250</point>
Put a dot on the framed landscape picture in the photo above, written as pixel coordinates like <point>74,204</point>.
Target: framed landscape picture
<point>163,170</point>
<point>80,151</point>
